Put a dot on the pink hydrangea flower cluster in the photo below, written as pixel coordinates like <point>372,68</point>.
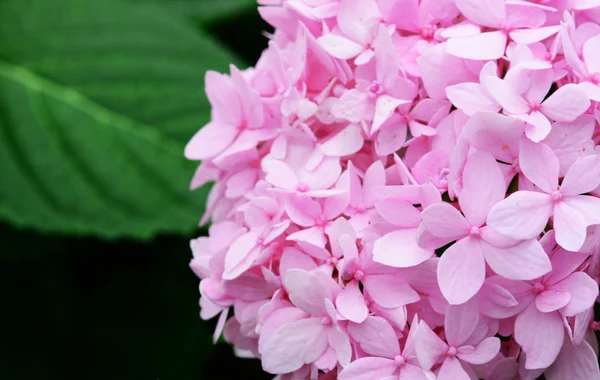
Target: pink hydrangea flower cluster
<point>408,189</point>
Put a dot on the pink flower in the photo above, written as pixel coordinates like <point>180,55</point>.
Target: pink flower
<point>524,214</point>
<point>465,344</point>
<point>461,271</point>
<point>399,185</point>
<point>315,338</point>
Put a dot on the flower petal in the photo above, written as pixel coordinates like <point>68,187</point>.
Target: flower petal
<point>376,337</point>
<point>552,300</point>
<point>294,345</point>
<point>570,227</point>
<point>583,292</point>
<point>400,249</point>
<point>523,215</point>
<point>540,335</point>
<point>461,271</point>
<point>351,303</point>
<point>566,104</point>
<point>443,220</point>
<point>583,176</point>
<point>485,351</point>
<point>483,46</point>
<point>526,260</point>
<point>483,187</point>
<point>368,368</point>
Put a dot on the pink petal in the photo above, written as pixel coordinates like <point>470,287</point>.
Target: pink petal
<point>293,258</point>
<point>312,241</point>
<point>348,141</point>
<point>570,227</point>
<point>540,335</point>
<point>339,341</point>
<point>353,18</point>
<point>523,261</point>
<point>279,174</point>
<point>222,95</point>
<point>490,13</point>
<point>389,291</point>
<point>390,138</point>
<point>471,98</point>
<point>351,303</point>
<point>495,133</point>
<point>411,372</point>
<point>591,49</point>
<point>252,108</point>
<point>540,165</point>
<point>482,47</point>
<point>368,368</point>
<point>460,322</point>
<point>384,107</point>
<point>452,370</point>
<point>576,362</point>
<point>566,104</point>
<point>485,351</point>
<point>340,47</point>
<point>303,293</point>
<point>590,89</point>
<point>588,207</point>
<point>538,126</point>
<point>567,140</point>
<point>583,292</point>
<point>483,187</point>
<point>444,220</point>
<point>523,215</point>
<point>552,300</point>
<point>430,349</point>
<point>400,249</point>
<point>510,100</point>
<point>433,66</point>
<point>376,337</point>
<point>563,264</point>
<point>324,176</point>
<point>398,212</point>
<point>529,36</point>
<point>582,177</point>
<point>461,271</point>
<point>302,210</point>
<point>210,140</point>
<point>294,345</point>
<point>240,255</point>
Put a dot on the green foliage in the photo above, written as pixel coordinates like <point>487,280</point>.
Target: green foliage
<point>97,100</point>
<point>205,11</point>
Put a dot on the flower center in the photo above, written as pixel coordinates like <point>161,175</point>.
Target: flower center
<point>326,321</point>
<point>399,360</point>
<point>556,196</point>
<point>506,26</point>
<point>359,275</point>
<point>427,32</point>
<point>375,89</point>
<point>539,287</point>
<point>534,106</point>
<point>475,232</point>
<point>451,351</point>
<point>302,187</point>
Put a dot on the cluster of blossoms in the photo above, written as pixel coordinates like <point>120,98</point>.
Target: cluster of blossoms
<point>408,189</point>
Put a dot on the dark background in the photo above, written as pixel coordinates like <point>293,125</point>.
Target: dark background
<point>87,308</point>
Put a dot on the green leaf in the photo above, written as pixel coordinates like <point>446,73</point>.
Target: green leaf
<point>97,100</point>
<point>206,11</point>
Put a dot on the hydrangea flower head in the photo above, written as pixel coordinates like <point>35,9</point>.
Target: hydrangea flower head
<point>408,189</point>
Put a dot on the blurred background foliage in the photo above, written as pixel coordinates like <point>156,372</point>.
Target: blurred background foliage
<point>97,101</point>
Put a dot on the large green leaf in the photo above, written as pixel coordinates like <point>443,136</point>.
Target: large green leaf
<point>97,99</point>
<point>206,11</point>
